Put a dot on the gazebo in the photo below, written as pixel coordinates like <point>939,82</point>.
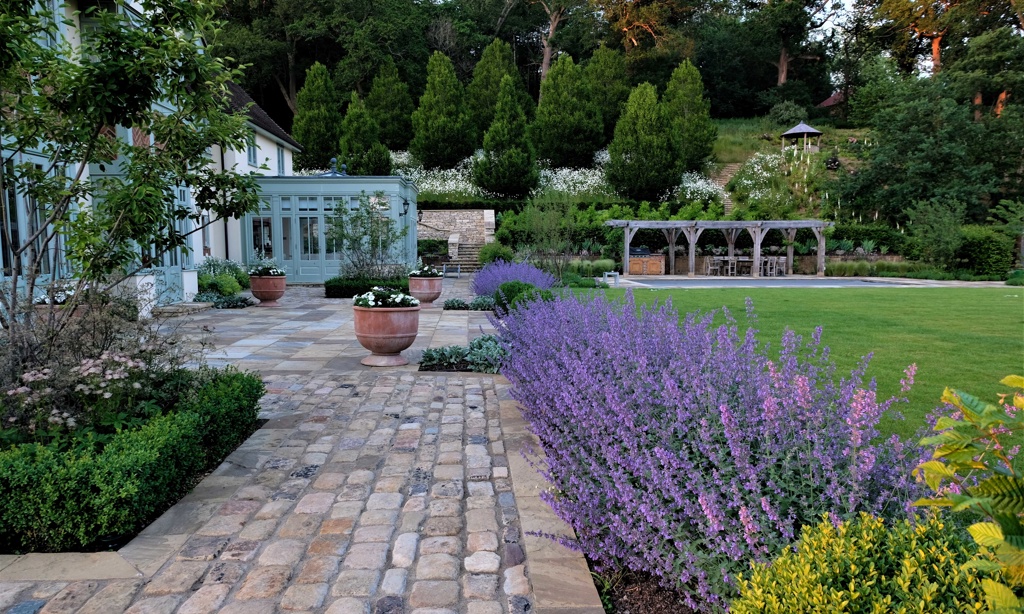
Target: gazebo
<point>692,229</point>
<point>805,131</point>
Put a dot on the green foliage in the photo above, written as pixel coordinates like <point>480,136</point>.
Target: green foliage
<point>643,156</point>
<point>689,112</point>
<point>431,247</point>
<point>482,93</point>
<point>317,120</point>
<point>1015,281</point>
<point>936,226</point>
<point>445,358</point>
<point>481,303</point>
<point>608,83</point>
<point>591,268</point>
<point>485,354</point>
<point>60,499</point>
<point>971,469</point>
<point>880,234</point>
<point>236,301</point>
<point>215,266</point>
<point>568,129</point>
<point>224,284</point>
<point>508,292</point>
<point>360,147</point>
<point>456,304</point>
<point>443,129</point>
<point>367,238</point>
<point>862,565</point>
<point>530,296</point>
<point>390,105</point>
<point>346,287</point>
<point>496,251</point>
<point>983,251</point>
<point>787,114</point>
<point>508,167</point>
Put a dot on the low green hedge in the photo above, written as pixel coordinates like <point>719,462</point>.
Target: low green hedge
<point>343,287</point>
<point>58,499</point>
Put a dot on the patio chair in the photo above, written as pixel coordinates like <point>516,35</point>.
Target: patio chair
<point>780,266</point>
<point>712,266</point>
<point>730,267</point>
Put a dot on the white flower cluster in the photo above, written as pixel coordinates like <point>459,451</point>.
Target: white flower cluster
<point>457,181</point>
<point>755,177</point>
<point>573,182</point>
<point>59,293</point>
<point>697,187</point>
<point>384,297</point>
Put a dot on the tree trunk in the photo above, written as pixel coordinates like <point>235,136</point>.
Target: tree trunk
<point>1001,102</point>
<point>936,54</point>
<point>783,66</point>
<point>977,106</point>
<point>554,18</point>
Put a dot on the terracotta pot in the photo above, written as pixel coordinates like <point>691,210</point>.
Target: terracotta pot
<point>267,288</point>
<point>386,331</point>
<point>425,289</point>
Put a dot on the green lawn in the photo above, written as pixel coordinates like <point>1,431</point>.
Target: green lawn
<point>966,338</point>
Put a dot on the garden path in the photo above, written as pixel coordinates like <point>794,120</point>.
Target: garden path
<point>366,492</point>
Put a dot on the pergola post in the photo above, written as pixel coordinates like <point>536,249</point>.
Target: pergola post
<point>692,234</point>
<point>731,234</point>
<point>819,233</point>
<point>629,232</point>
<point>671,234</point>
<point>790,238</point>
<point>757,234</point>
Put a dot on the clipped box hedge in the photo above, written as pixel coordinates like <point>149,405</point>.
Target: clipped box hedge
<point>343,287</point>
<point>57,500</point>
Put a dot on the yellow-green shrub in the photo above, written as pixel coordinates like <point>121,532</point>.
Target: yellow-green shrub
<point>864,566</point>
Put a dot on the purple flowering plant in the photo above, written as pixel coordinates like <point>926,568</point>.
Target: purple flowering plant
<point>490,278</point>
<point>688,450</point>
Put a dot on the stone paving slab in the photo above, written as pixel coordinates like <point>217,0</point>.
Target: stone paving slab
<point>366,492</point>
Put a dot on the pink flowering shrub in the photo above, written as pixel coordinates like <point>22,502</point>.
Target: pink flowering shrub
<point>690,451</point>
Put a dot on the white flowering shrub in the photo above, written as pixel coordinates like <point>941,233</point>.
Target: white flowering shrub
<point>384,297</point>
<point>441,184</point>
<point>761,186</point>
<point>696,187</point>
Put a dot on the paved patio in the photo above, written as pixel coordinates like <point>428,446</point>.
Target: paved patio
<point>366,492</point>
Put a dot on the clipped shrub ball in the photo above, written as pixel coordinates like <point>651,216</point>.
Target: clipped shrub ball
<point>864,566</point>
<point>496,251</point>
<point>508,292</point>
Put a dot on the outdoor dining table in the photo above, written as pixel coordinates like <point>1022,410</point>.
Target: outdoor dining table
<point>743,265</point>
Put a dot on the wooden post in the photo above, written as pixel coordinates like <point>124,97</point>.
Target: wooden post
<point>628,235</point>
<point>731,234</point>
<point>819,233</point>
<point>790,237</point>
<point>757,234</point>
<point>692,234</point>
<point>671,234</point>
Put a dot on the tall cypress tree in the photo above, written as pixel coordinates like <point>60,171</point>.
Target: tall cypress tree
<point>690,114</point>
<point>642,157</point>
<point>390,105</point>
<point>605,74</point>
<point>317,120</point>
<point>508,167</point>
<point>568,129</point>
<point>360,147</point>
<point>482,92</point>
<point>443,131</point>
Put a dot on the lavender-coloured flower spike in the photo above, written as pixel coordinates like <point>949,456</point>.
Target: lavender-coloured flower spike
<point>490,278</point>
<point>687,450</point>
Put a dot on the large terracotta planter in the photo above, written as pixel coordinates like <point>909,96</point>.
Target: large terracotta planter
<point>425,289</point>
<point>386,331</point>
<point>267,288</point>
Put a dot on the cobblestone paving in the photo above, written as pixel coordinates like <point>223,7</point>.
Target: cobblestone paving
<point>366,492</point>
<point>382,493</point>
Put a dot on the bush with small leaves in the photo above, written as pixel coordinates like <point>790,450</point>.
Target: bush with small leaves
<point>787,113</point>
<point>446,358</point>
<point>486,354</point>
<point>496,251</point>
<point>456,304</point>
<point>482,303</point>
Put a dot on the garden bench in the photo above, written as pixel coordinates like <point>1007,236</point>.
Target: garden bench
<point>454,267</point>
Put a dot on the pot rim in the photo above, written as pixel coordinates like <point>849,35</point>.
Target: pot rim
<point>413,308</point>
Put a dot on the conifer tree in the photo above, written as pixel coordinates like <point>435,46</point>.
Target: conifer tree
<point>568,129</point>
<point>482,92</point>
<point>317,120</point>
<point>642,157</point>
<point>508,167</point>
<point>690,114</point>
<point>606,78</point>
<point>390,105</point>
<point>360,148</point>
<point>443,133</point>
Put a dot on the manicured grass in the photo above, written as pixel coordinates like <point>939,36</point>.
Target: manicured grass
<point>965,338</point>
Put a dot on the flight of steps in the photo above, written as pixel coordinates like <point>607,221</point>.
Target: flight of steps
<point>469,257</point>
<point>722,177</point>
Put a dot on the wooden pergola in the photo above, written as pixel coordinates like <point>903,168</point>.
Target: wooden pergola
<point>692,229</point>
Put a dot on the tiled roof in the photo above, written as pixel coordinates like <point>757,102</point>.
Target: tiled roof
<point>240,100</point>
